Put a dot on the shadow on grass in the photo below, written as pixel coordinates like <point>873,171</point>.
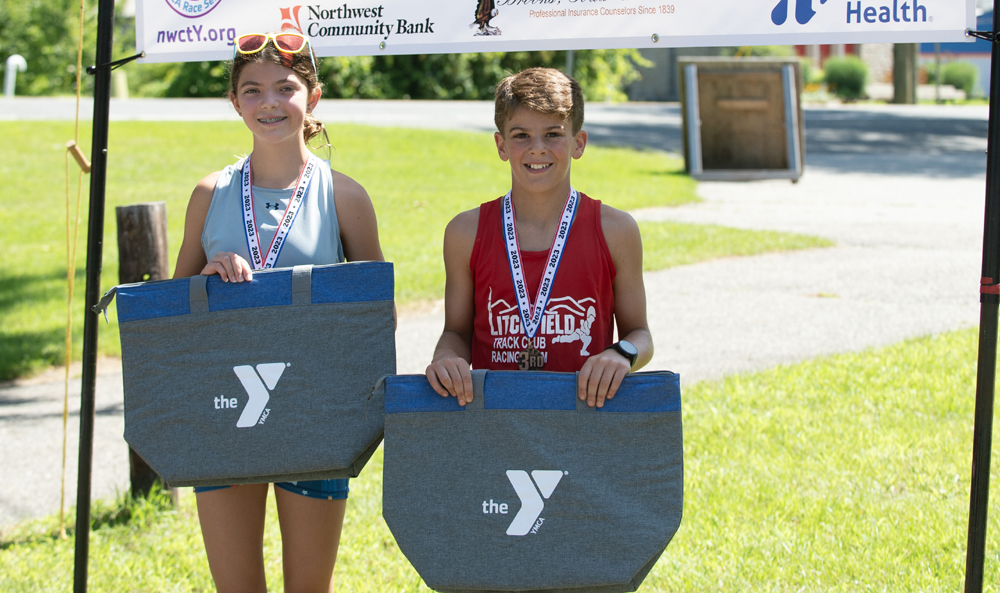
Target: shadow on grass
<point>122,511</point>
<point>26,352</point>
<point>16,289</point>
<point>668,173</point>
<point>22,353</point>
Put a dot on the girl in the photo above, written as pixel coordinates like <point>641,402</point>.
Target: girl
<point>274,88</point>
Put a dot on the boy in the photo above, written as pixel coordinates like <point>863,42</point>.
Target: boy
<point>535,278</point>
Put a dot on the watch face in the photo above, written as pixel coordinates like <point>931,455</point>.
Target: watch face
<point>629,347</point>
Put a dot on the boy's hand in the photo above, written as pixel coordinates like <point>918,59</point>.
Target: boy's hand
<point>600,377</point>
<point>451,376</point>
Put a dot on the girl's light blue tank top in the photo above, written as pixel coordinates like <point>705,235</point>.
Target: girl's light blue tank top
<point>313,239</point>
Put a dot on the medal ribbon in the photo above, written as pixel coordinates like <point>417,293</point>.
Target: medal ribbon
<point>531,316</point>
<point>258,259</point>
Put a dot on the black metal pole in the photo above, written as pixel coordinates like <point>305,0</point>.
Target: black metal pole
<point>986,375</point>
<point>95,245</point>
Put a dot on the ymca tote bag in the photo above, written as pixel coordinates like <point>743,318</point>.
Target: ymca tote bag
<point>261,381</point>
<point>528,489</point>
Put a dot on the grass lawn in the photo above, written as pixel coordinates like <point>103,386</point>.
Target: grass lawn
<point>668,244</point>
<point>847,473</point>
<point>418,180</point>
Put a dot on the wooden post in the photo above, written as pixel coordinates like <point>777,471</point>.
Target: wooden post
<point>904,73</point>
<point>142,256</point>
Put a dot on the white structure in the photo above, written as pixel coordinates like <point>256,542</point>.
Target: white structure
<point>15,64</point>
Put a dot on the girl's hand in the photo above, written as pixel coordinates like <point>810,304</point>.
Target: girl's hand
<point>229,266</point>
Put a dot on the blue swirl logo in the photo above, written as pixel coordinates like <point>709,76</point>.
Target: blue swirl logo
<point>803,11</point>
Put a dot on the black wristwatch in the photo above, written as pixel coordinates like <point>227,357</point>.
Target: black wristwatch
<point>626,349</point>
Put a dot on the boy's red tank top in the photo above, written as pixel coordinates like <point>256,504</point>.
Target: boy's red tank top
<point>578,319</point>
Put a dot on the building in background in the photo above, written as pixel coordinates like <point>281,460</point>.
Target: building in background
<point>818,54</point>
<point>660,81</point>
<point>977,52</point>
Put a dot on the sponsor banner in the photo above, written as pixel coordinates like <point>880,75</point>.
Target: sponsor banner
<point>192,30</point>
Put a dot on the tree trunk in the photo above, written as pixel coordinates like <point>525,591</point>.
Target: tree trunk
<point>904,73</point>
<point>142,256</point>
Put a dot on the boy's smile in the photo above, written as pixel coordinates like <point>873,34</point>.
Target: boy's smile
<point>540,149</point>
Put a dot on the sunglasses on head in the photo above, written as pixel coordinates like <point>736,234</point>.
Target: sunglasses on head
<point>288,43</point>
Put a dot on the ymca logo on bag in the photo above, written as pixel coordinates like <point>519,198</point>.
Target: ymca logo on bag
<point>531,494</point>
<point>257,385</point>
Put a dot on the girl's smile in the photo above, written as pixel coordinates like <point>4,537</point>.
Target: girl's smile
<point>273,101</point>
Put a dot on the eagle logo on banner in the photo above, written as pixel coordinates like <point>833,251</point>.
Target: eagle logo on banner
<point>486,10</point>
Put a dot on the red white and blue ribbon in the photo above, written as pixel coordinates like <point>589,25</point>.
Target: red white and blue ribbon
<point>267,259</point>
<point>531,315</point>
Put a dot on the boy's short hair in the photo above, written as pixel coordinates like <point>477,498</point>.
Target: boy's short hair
<point>544,90</point>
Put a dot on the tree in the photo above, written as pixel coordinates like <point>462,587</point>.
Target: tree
<point>904,73</point>
<point>45,33</point>
<point>603,74</point>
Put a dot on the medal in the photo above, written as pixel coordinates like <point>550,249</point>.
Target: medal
<point>258,259</point>
<point>530,359</point>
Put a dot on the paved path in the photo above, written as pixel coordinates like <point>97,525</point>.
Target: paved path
<point>900,190</point>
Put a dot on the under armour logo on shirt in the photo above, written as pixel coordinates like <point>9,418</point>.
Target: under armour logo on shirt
<point>271,206</point>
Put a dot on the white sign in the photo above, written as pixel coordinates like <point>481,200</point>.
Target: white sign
<point>192,30</point>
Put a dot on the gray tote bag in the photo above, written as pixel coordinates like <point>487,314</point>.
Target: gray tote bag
<point>261,381</point>
<point>528,489</point>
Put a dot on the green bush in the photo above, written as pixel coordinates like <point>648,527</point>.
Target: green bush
<point>961,75</point>
<point>776,51</point>
<point>603,74</point>
<point>45,33</point>
<point>810,75</point>
<point>845,77</point>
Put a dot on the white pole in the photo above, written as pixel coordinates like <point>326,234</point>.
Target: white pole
<point>15,64</point>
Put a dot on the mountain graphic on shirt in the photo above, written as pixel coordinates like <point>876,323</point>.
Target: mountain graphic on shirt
<point>575,318</point>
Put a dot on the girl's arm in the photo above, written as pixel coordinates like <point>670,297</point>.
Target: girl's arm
<point>191,259</point>
<point>358,227</point>
<point>356,216</point>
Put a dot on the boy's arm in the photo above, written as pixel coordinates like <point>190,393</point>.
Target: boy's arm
<point>603,373</point>
<point>449,372</point>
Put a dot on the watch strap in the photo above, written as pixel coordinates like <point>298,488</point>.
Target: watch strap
<point>617,347</point>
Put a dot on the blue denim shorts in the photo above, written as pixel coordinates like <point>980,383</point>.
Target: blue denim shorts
<point>321,489</point>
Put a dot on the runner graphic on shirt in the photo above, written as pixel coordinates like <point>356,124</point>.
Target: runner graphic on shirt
<point>581,333</point>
